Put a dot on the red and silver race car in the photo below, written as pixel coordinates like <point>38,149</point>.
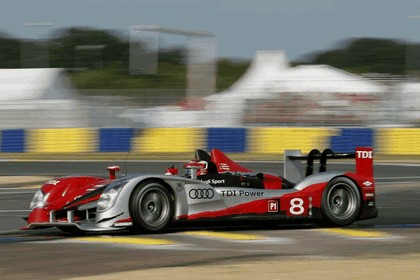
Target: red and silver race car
<point>212,188</point>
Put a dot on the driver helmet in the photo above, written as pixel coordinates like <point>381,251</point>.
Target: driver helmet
<point>200,164</point>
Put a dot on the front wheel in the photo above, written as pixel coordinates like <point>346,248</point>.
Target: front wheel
<point>341,202</point>
<point>151,207</point>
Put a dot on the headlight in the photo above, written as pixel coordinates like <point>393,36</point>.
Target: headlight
<point>39,200</point>
<point>108,198</point>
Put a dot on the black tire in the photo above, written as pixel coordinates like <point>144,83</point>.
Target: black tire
<point>341,202</point>
<point>151,207</point>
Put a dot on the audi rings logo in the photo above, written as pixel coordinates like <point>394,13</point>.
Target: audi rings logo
<point>201,193</point>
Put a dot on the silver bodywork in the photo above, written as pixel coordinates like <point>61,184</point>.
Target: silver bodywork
<point>183,190</point>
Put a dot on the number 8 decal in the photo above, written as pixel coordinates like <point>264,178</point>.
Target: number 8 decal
<point>296,206</point>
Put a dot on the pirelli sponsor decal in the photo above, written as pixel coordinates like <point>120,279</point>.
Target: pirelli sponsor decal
<point>273,206</point>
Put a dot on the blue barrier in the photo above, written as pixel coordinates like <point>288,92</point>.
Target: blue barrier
<point>227,139</point>
<point>13,141</point>
<point>350,138</point>
<point>115,139</point>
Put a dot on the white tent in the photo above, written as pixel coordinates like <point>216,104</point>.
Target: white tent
<point>34,83</point>
<point>324,78</point>
<point>39,97</point>
<point>260,77</point>
<point>265,68</point>
<point>222,109</point>
<point>406,102</point>
<point>258,81</point>
<point>268,78</point>
<point>408,94</point>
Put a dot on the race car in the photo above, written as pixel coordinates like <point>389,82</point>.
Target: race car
<point>212,188</point>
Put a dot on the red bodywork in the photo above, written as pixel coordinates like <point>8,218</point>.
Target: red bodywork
<point>225,164</point>
<point>63,191</point>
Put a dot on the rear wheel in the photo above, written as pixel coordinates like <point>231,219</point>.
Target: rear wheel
<point>341,202</point>
<point>151,207</point>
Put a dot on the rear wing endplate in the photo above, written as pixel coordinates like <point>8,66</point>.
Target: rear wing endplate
<point>293,158</point>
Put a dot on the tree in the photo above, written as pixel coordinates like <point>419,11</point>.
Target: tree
<point>85,47</point>
<point>9,52</point>
<point>365,55</point>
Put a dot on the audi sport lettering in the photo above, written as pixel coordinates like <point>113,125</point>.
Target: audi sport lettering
<point>214,181</point>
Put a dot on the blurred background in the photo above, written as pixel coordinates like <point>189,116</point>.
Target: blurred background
<point>163,76</point>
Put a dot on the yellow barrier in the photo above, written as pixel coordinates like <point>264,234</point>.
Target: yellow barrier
<point>62,140</point>
<point>161,140</point>
<point>398,141</point>
<point>277,139</point>
<point>260,140</point>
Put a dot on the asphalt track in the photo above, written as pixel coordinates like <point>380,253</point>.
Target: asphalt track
<point>51,254</point>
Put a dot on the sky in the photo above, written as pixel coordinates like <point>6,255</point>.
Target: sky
<point>241,27</point>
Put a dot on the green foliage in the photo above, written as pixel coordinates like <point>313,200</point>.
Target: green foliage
<point>368,55</point>
<point>228,72</point>
<point>110,77</point>
<point>98,59</point>
<point>9,52</point>
<point>87,48</point>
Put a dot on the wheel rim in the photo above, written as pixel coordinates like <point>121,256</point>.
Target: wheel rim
<point>342,201</point>
<point>154,207</point>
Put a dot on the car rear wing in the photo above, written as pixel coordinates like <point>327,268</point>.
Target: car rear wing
<point>293,158</point>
